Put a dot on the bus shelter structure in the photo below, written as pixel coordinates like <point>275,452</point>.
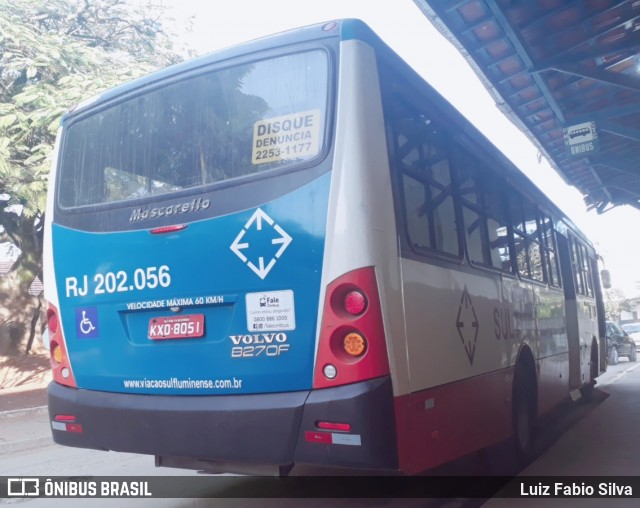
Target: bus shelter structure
<point>567,72</point>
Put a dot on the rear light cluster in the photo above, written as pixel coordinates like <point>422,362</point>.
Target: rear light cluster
<point>66,423</point>
<point>59,359</point>
<point>352,345</point>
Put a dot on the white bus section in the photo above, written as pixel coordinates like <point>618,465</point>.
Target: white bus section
<point>361,194</point>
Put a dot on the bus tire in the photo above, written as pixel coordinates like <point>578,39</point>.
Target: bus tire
<point>524,416</point>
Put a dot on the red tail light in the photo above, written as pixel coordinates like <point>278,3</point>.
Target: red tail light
<point>344,427</point>
<point>352,344</point>
<point>65,418</point>
<point>52,320</point>
<point>60,365</point>
<point>355,303</point>
<point>168,229</point>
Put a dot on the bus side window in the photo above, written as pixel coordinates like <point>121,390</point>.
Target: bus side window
<point>483,213</point>
<point>586,270</point>
<point>415,212</point>
<point>534,248</point>
<point>549,245</point>
<point>576,265</point>
<point>499,241</point>
<point>581,268</point>
<point>530,255</point>
<point>420,157</point>
<point>469,184</point>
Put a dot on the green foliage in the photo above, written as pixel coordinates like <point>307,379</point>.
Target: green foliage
<point>53,55</point>
<point>614,303</point>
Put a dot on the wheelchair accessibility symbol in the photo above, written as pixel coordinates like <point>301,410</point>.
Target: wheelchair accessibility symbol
<point>86,326</point>
<point>87,322</point>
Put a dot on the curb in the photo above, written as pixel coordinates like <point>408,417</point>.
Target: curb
<point>18,412</point>
<point>15,399</point>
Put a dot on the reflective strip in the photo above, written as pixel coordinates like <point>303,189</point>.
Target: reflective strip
<point>333,438</point>
<point>59,426</point>
<point>66,427</point>
<point>346,439</point>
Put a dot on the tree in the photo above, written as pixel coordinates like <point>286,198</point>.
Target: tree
<point>53,55</point>
<point>614,303</point>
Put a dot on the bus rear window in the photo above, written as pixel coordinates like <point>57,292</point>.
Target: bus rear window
<point>210,128</point>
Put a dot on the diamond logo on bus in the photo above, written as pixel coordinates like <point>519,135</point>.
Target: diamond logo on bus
<point>467,324</point>
<point>264,230</point>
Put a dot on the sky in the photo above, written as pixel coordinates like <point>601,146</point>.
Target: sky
<point>217,24</point>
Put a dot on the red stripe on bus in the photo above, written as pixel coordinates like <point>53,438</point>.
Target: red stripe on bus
<point>447,422</point>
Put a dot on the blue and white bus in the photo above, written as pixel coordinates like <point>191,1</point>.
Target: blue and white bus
<point>294,252</point>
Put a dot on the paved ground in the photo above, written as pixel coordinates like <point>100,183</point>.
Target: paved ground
<point>21,399</point>
<point>603,444</point>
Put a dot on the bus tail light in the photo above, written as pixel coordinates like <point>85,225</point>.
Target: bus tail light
<point>66,423</point>
<point>167,229</point>
<point>52,320</point>
<point>352,344</point>
<point>60,365</point>
<point>344,427</point>
<point>355,303</point>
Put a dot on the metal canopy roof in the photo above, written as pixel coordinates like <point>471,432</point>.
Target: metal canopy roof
<point>568,74</point>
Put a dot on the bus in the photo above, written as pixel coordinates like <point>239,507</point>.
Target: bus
<point>295,254</point>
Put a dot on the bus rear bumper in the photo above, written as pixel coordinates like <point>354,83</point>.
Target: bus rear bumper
<point>234,433</point>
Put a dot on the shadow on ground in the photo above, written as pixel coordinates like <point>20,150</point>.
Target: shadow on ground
<point>21,371</point>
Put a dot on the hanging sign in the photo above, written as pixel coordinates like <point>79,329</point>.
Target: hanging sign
<point>581,139</point>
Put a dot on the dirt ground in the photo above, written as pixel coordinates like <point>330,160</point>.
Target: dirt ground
<point>24,372</point>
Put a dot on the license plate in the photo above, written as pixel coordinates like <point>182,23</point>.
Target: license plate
<point>176,327</point>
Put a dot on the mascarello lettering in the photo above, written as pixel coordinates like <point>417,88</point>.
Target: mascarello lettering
<point>194,205</point>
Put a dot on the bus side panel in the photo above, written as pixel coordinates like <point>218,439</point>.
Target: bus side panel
<point>457,325</point>
<point>553,360</point>
<point>443,423</point>
<point>460,337</point>
<point>553,382</point>
<point>464,335</point>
